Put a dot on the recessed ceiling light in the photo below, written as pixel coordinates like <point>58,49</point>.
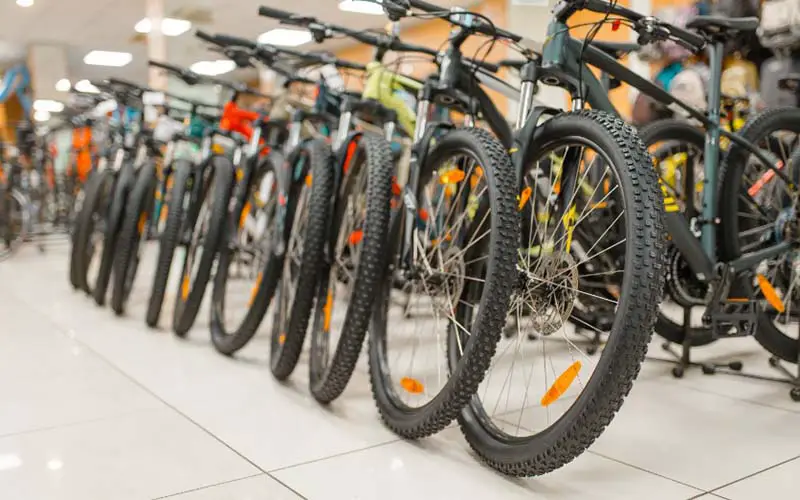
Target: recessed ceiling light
<point>285,37</point>
<point>86,86</point>
<point>25,3</point>
<point>169,26</point>
<point>63,85</point>
<point>107,58</point>
<point>213,68</point>
<point>48,105</point>
<point>371,7</point>
<point>41,115</point>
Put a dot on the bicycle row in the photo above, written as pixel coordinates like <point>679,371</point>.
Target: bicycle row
<point>472,254</point>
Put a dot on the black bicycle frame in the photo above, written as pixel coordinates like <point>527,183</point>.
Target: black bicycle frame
<point>561,66</point>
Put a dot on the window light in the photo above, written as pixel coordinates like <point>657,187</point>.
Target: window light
<point>213,68</point>
<point>169,26</point>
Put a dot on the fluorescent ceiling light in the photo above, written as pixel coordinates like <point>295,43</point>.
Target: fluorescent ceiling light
<point>371,7</point>
<point>48,105</point>
<point>86,86</point>
<point>63,85</point>
<point>107,58</point>
<point>25,3</point>
<point>213,68</point>
<point>169,26</point>
<point>285,37</point>
<point>41,115</point>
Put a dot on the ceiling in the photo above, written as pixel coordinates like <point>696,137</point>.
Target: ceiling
<point>83,25</point>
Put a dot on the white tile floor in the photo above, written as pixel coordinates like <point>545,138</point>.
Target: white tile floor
<point>95,407</point>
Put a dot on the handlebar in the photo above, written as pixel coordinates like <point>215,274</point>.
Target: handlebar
<point>395,7</point>
<point>646,26</point>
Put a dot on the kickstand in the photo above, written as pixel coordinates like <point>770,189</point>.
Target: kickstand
<point>683,359</point>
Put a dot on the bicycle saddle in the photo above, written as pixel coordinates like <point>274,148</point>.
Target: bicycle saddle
<point>791,82</point>
<point>616,49</point>
<point>720,25</point>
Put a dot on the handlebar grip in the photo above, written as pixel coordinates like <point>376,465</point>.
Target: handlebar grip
<point>228,40</point>
<point>693,39</point>
<point>163,65</point>
<point>279,14</point>
<point>202,35</point>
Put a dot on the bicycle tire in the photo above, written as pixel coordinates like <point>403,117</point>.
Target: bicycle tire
<point>98,186</point>
<point>292,320</point>
<point>732,170</point>
<point>169,239</point>
<point>683,132</point>
<point>436,414</point>
<point>124,182</point>
<point>126,260</point>
<point>187,305</point>
<point>328,383</point>
<point>228,341</point>
<point>625,350</point>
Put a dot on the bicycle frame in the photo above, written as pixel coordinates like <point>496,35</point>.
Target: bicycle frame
<point>561,65</point>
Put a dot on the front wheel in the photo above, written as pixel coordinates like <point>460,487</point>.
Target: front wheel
<point>132,235</point>
<point>206,235</point>
<point>593,234</point>
<point>464,234</point>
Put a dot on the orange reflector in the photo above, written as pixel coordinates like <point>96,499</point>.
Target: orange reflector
<point>763,180</point>
<point>326,323</point>
<point>435,241</point>
<point>474,178</point>
<point>254,290</point>
<point>308,180</point>
<point>396,190</point>
<point>561,385</point>
<point>606,186</point>
<point>356,237</point>
<point>423,215</point>
<point>557,187</point>
<point>282,338</point>
<point>411,385</point>
<point>524,197</point>
<point>142,222</point>
<point>239,174</point>
<point>770,294</point>
<point>185,285</point>
<point>452,176</point>
<point>245,213</point>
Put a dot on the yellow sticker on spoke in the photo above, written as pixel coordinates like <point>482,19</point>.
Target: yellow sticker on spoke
<point>561,385</point>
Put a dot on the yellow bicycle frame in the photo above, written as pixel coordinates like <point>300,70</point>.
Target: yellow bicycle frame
<point>381,86</point>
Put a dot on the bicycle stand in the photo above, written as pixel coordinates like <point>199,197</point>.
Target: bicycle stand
<point>683,359</point>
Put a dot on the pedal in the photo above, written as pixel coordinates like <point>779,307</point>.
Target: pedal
<point>730,316</point>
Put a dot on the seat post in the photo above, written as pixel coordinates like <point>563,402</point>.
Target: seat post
<point>715,53</point>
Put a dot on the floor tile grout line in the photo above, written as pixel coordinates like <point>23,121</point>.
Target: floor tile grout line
<point>784,462</point>
<point>200,488</point>
<point>662,476</point>
<point>748,401</point>
<point>79,422</point>
<point>335,455</point>
<point>125,374</point>
<point>707,494</point>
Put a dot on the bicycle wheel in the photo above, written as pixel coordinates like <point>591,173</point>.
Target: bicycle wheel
<point>124,183</point>
<point>676,146</point>
<point>178,199</point>
<point>757,210</point>
<point>91,220</point>
<point>529,417</point>
<point>207,233</point>
<point>245,281</point>
<point>466,233</point>
<point>131,236</point>
<point>303,258</point>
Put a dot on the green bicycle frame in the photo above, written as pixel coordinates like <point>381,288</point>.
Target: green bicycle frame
<point>382,85</point>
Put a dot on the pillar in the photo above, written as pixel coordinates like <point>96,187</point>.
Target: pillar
<point>156,43</point>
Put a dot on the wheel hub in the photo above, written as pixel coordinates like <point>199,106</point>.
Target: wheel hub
<point>548,293</point>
